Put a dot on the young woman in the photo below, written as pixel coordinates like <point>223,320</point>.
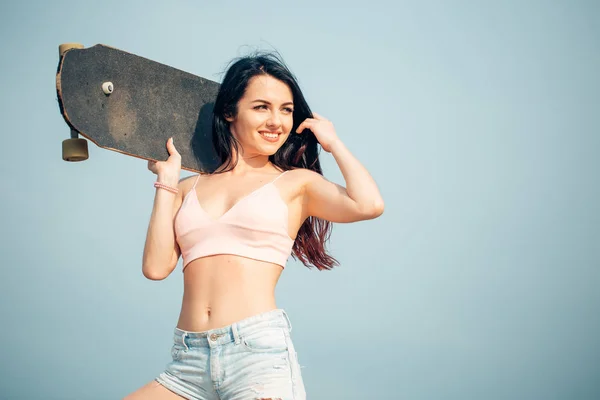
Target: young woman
<point>235,228</point>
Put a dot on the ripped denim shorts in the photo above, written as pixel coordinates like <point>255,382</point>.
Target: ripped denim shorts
<point>250,359</point>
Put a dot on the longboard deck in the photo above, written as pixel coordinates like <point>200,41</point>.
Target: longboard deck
<point>150,102</point>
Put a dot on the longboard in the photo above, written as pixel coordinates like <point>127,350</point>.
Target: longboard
<point>132,105</point>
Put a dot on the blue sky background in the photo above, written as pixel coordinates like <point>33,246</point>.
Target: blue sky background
<point>479,121</point>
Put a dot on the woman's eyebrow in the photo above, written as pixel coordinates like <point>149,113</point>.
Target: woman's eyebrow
<point>288,103</point>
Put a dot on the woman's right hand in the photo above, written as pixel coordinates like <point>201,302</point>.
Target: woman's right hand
<point>167,171</point>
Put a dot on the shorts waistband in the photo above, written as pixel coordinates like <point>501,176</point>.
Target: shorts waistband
<point>231,333</point>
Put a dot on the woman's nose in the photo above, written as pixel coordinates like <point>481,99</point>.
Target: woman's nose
<point>274,119</point>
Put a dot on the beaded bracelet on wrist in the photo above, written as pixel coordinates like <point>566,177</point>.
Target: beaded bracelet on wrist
<point>171,189</point>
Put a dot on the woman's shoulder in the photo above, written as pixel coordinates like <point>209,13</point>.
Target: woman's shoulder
<point>303,175</point>
<point>301,178</point>
<point>188,180</point>
<point>186,183</point>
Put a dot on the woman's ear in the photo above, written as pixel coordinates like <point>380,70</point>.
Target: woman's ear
<point>228,117</point>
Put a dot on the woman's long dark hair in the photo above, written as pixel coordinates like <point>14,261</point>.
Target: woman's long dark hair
<point>298,151</point>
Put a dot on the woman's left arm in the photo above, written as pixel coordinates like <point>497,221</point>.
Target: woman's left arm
<point>359,200</point>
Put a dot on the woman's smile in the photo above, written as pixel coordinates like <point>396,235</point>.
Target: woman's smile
<point>269,136</point>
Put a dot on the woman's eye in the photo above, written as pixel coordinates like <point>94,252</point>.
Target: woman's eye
<point>260,107</point>
<point>289,110</point>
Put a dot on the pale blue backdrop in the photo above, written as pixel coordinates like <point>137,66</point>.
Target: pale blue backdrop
<point>479,121</point>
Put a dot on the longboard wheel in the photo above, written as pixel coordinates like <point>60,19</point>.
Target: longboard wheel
<point>107,88</point>
<point>75,149</point>
<point>68,46</point>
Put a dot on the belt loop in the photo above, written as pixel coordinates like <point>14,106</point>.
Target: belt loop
<point>287,319</point>
<point>183,340</point>
<point>236,334</point>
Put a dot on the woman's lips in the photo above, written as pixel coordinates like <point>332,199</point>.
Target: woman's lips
<point>271,137</point>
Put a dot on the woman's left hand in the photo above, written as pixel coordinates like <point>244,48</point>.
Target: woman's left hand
<point>322,128</point>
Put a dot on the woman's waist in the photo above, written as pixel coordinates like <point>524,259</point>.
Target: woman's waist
<point>218,293</point>
<point>200,316</point>
<point>223,280</point>
<point>245,327</point>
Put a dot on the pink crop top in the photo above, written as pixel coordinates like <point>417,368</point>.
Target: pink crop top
<point>255,227</point>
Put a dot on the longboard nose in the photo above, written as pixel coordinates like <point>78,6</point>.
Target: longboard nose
<point>68,46</point>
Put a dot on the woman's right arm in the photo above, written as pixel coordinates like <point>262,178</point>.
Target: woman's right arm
<point>161,251</point>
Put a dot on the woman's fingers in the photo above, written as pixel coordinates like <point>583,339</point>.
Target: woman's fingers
<point>306,124</point>
<point>171,166</point>
<point>152,166</point>
<point>171,147</point>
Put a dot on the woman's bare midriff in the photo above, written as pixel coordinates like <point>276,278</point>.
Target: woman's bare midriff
<point>222,289</point>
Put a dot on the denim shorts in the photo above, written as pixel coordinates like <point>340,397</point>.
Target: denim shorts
<point>250,359</point>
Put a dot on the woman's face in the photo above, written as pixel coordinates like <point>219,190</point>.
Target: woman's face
<point>264,116</point>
